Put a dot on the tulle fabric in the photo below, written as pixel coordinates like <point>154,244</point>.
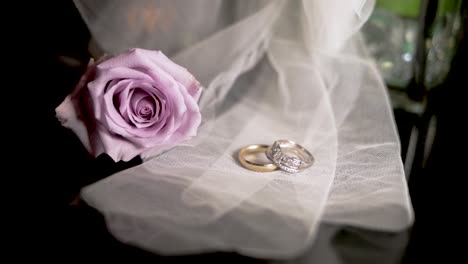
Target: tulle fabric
<point>271,70</point>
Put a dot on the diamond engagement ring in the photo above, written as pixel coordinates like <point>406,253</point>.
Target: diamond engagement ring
<point>289,156</point>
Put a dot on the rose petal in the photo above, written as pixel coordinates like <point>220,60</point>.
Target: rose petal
<point>156,115</point>
<point>159,106</point>
<point>119,148</point>
<point>110,107</point>
<point>137,58</point>
<point>190,121</point>
<point>137,97</point>
<point>146,109</point>
<point>145,99</point>
<point>192,118</point>
<point>98,87</point>
<point>152,126</point>
<point>67,114</point>
<point>176,106</point>
<point>123,98</point>
<point>174,109</point>
<point>179,73</point>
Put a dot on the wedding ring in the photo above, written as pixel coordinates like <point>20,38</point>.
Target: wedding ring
<point>289,156</point>
<point>255,164</point>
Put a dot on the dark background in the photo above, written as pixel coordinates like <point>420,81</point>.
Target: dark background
<point>69,230</point>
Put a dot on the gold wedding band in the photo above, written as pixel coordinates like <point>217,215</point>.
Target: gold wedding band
<point>255,166</point>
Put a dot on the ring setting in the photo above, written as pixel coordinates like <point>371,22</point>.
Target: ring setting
<point>289,156</point>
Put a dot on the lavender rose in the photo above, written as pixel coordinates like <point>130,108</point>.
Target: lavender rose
<point>135,103</point>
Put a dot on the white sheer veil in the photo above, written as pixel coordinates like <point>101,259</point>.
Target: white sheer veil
<point>293,69</point>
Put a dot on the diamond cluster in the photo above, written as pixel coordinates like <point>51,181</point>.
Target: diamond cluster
<point>285,162</point>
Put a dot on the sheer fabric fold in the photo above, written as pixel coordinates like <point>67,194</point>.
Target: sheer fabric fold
<point>271,70</point>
